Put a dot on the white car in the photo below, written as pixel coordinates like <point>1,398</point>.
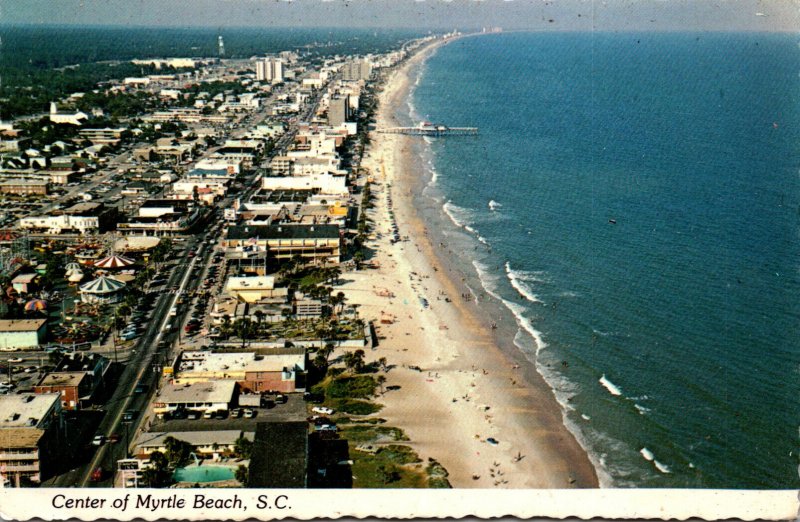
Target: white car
<point>322,410</point>
<point>98,440</point>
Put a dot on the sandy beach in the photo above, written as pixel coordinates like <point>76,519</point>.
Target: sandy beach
<point>487,416</point>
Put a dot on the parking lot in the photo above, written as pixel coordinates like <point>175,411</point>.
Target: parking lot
<point>293,410</point>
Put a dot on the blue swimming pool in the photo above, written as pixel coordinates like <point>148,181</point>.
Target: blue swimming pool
<point>207,473</point>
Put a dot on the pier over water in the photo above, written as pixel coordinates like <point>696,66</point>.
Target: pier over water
<point>431,129</point>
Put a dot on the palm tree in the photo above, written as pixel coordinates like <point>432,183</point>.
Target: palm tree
<point>381,380</point>
<point>354,361</point>
<point>259,315</point>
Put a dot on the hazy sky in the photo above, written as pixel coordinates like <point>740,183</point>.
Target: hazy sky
<point>763,15</point>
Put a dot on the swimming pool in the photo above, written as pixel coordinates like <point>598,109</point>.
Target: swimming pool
<point>206,473</point>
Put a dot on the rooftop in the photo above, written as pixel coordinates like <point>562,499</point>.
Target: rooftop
<point>250,283</point>
<point>195,438</point>
<point>21,325</point>
<point>26,410</point>
<point>284,232</point>
<point>279,455</point>
<point>199,362</point>
<point>210,391</point>
<point>62,379</point>
<point>19,437</point>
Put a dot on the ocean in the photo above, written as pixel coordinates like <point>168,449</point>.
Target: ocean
<point>629,215</point>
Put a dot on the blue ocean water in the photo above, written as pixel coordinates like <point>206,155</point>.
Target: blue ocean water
<point>634,200</point>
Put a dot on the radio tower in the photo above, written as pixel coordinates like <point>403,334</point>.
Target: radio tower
<point>221,47</point>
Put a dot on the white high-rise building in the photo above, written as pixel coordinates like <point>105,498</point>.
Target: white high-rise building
<point>261,70</point>
<point>275,70</point>
<point>269,70</point>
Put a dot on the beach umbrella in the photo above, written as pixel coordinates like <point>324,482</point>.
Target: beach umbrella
<point>34,305</point>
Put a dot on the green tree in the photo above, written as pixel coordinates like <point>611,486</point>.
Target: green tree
<point>178,452</point>
<point>242,447</point>
<point>242,474</point>
<point>157,474</point>
<point>354,361</point>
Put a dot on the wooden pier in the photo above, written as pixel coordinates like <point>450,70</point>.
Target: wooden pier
<point>431,129</point>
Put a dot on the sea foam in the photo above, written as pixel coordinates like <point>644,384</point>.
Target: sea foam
<point>515,278</point>
<point>610,386</point>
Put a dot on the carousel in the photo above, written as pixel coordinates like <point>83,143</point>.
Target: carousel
<point>103,290</point>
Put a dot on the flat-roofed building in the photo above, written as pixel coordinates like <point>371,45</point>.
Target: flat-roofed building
<point>279,457</point>
<point>81,218</point>
<point>31,436</point>
<point>315,243</point>
<point>280,370</point>
<point>202,396</point>
<point>252,289</point>
<point>22,333</point>
<point>105,136</point>
<point>24,187</point>
<point>71,386</point>
<point>323,182</point>
<point>207,444</point>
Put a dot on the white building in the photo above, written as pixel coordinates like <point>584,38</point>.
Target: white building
<point>76,118</point>
<point>324,183</point>
<point>61,224</point>
<point>22,333</point>
<point>269,70</point>
<point>31,434</point>
<point>202,396</point>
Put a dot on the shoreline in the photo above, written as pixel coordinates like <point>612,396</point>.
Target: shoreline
<point>500,424</point>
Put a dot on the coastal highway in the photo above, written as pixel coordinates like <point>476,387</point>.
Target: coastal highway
<point>152,348</point>
<point>143,368</point>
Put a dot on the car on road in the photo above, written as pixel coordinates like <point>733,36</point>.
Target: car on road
<point>98,440</point>
<point>15,360</point>
<point>31,369</point>
<point>323,410</point>
<point>129,415</point>
<point>97,474</point>
<point>140,388</point>
<point>128,335</point>
<point>114,438</point>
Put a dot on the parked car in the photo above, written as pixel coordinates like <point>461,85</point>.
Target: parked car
<point>236,413</point>
<point>249,413</point>
<point>322,410</point>
<point>193,415</point>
